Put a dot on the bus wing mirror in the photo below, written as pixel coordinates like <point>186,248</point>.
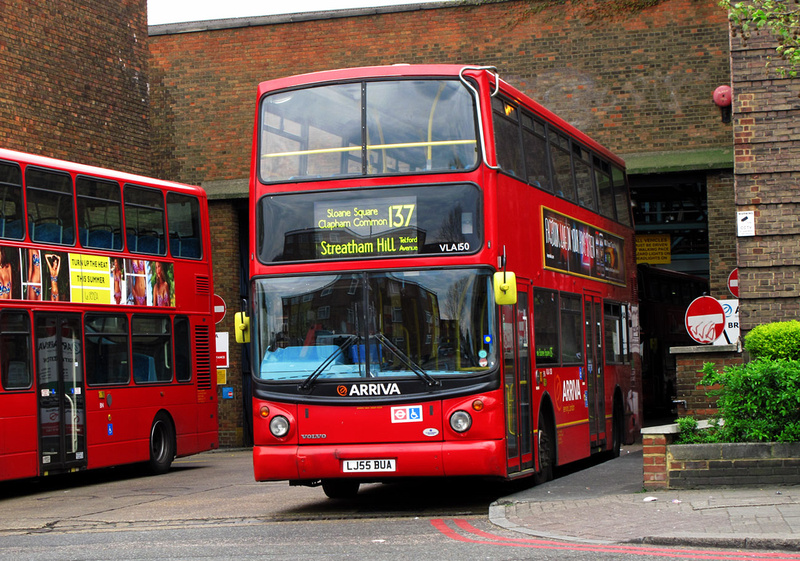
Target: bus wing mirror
<point>505,288</point>
<point>242,327</point>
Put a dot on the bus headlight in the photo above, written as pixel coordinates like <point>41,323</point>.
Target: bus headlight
<point>279,426</point>
<point>460,421</point>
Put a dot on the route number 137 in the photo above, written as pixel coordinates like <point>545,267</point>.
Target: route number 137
<point>400,215</point>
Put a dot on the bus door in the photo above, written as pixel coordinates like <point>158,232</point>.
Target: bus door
<point>595,371</point>
<point>517,382</point>
<point>60,387</point>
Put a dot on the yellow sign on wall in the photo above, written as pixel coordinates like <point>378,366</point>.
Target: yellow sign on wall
<point>654,249</point>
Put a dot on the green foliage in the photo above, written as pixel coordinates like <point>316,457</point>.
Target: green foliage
<point>691,434</point>
<point>779,17</point>
<point>779,340</point>
<point>758,402</point>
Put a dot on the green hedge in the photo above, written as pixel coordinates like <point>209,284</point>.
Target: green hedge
<point>779,340</point>
<point>758,401</point>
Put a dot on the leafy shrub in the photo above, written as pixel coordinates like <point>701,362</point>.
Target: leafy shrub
<point>691,434</point>
<point>779,340</point>
<point>758,402</point>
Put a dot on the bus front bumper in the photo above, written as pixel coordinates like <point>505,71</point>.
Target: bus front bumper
<point>428,459</point>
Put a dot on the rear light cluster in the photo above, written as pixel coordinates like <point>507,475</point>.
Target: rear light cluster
<point>278,425</point>
<point>461,421</point>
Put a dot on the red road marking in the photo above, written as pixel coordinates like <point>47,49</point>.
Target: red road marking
<point>487,538</point>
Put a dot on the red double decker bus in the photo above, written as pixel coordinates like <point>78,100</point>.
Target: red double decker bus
<point>106,324</point>
<point>442,281</point>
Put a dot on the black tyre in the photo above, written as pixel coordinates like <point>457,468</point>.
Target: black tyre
<point>162,444</point>
<point>617,430</point>
<point>340,488</point>
<point>547,450</point>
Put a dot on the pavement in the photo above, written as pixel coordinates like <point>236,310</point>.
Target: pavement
<point>606,504</point>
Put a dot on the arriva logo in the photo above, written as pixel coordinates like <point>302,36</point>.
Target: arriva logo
<point>369,389</point>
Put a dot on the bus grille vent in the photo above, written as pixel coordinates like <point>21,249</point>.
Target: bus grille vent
<point>203,357</point>
<point>202,284</point>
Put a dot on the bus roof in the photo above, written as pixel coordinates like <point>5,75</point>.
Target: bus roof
<point>106,173</point>
<point>434,70</point>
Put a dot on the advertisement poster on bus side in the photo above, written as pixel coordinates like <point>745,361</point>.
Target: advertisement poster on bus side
<point>577,248</point>
<point>60,276</point>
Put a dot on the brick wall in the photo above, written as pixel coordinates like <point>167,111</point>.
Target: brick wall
<point>694,400</point>
<point>640,82</point>
<point>225,255</point>
<point>767,172</point>
<point>75,81</point>
<point>721,233</point>
<point>693,466</point>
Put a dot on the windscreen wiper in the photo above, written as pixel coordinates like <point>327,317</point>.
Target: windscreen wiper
<point>413,366</point>
<point>307,383</point>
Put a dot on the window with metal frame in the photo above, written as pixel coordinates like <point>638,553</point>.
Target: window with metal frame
<point>15,350</point>
<point>12,211</point>
<point>99,213</point>
<point>144,220</point>
<point>106,356</point>
<point>50,205</point>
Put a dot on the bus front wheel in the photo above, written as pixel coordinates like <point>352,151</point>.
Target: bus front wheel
<point>340,488</point>
<point>162,444</point>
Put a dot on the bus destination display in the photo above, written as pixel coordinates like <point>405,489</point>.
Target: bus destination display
<point>375,226</point>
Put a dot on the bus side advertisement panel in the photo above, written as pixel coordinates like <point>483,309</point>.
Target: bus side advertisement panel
<point>577,248</point>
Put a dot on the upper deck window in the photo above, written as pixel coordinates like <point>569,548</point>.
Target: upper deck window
<point>11,207</point>
<point>99,213</point>
<point>367,128</point>
<point>50,206</point>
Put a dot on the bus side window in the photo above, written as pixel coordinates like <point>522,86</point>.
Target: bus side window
<point>106,349</point>
<point>151,343</point>
<point>15,350</point>
<point>50,206</point>
<point>545,327</point>
<point>615,333</point>
<point>534,145</point>
<point>183,218</point>
<point>506,138</point>
<point>144,220</point>
<point>11,207</point>
<point>99,213</point>
<point>183,349</point>
<point>571,329</point>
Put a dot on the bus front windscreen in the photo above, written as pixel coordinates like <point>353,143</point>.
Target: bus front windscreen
<point>399,324</point>
<point>385,127</point>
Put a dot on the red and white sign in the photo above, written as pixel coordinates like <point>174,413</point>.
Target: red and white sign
<point>733,282</point>
<point>221,354</point>
<point>705,319</point>
<point>219,308</point>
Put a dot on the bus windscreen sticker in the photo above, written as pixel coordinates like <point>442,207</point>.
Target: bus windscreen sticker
<point>386,226</point>
<point>59,276</point>
<point>578,248</point>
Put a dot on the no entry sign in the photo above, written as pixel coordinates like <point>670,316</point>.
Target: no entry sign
<point>733,282</point>
<point>705,319</point>
<point>219,308</point>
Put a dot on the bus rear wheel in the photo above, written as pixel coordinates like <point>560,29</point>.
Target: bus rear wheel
<point>162,444</point>
<point>547,451</point>
<point>340,488</point>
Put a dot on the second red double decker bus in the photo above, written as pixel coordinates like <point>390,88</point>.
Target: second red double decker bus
<point>442,281</point>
